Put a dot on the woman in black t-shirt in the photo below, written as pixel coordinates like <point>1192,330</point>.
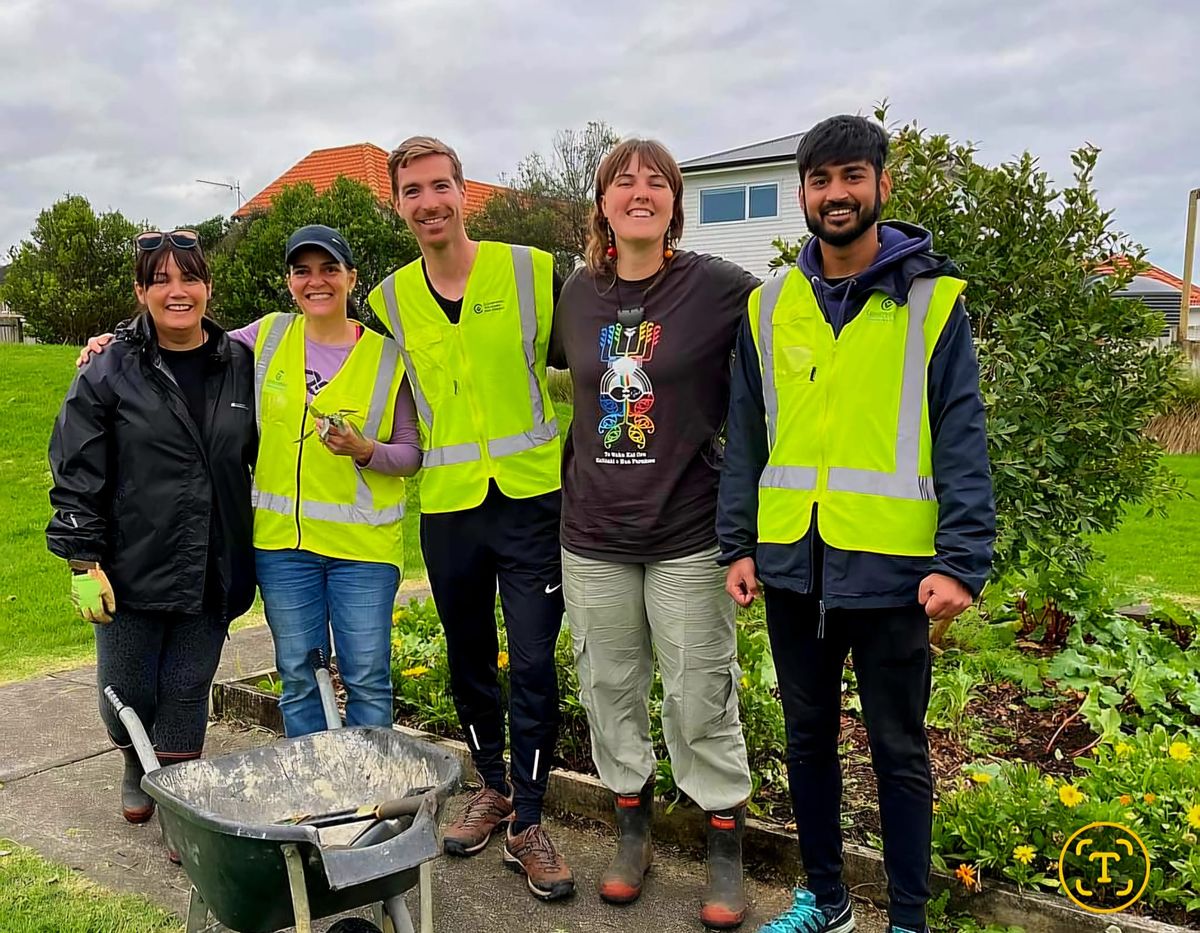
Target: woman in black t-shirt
<point>648,333</point>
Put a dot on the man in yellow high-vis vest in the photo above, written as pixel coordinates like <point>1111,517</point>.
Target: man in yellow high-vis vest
<point>472,320</point>
<point>856,487</point>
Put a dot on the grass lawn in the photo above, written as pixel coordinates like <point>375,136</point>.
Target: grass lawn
<point>1160,555</point>
<point>39,629</point>
<point>40,897</point>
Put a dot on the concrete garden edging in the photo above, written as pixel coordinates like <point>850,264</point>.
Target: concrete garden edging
<point>573,794</point>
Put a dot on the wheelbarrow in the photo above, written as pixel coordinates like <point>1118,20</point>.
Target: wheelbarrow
<point>306,828</point>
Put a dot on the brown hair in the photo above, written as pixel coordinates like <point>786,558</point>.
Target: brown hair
<point>416,147</point>
<point>648,152</point>
<point>190,262</point>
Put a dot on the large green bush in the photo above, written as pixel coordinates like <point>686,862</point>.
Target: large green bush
<point>73,277</point>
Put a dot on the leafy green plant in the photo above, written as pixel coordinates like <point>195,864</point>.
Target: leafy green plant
<point>271,684</point>
<point>952,694</point>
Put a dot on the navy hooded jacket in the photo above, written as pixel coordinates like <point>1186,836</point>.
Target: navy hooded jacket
<point>966,527</point>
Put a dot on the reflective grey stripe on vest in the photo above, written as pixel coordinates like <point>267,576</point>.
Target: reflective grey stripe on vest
<point>526,440</point>
<point>542,432</point>
<point>768,297</point>
<point>905,482</point>
<point>326,511</point>
<point>785,477</point>
<point>276,328</point>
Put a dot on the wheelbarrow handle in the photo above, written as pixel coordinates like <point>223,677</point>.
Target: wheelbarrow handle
<point>137,732</point>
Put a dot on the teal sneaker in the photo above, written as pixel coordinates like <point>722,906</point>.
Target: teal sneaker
<point>804,916</point>
<point>892,928</point>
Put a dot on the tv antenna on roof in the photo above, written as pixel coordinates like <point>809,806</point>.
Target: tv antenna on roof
<point>236,187</point>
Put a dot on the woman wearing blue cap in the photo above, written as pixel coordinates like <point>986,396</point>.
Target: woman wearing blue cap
<point>338,434</point>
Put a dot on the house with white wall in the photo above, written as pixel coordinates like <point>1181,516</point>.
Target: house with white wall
<point>739,200</point>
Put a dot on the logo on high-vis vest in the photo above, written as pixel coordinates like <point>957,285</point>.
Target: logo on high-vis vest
<point>486,307</point>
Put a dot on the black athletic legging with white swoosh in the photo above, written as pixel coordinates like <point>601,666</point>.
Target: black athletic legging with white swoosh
<point>512,543</point>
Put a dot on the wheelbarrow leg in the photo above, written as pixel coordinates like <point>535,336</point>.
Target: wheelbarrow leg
<point>197,915</point>
<point>295,870</point>
<point>399,919</point>
<point>425,876</point>
<point>397,913</point>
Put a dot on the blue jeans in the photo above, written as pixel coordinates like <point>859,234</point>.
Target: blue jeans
<point>307,595</point>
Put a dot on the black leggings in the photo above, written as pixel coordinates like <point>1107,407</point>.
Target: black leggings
<point>162,664</point>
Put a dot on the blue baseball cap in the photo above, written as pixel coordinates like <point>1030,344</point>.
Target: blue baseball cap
<point>323,237</point>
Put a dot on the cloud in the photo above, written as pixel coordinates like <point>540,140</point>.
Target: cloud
<point>129,101</point>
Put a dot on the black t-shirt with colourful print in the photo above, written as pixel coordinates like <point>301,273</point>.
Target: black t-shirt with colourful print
<point>641,461</point>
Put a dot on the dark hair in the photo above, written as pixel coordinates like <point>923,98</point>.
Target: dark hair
<point>841,140</point>
<point>150,262</point>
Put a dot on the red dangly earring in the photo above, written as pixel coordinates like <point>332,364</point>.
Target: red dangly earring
<point>667,251</point>
<point>611,252</point>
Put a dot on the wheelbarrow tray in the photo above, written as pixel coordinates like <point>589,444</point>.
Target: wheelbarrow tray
<point>221,815</point>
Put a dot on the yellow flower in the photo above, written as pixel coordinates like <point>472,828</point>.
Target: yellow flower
<point>1049,779</point>
<point>502,660</point>
<point>415,671</point>
<point>1149,798</point>
<point>1193,816</point>
<point>1123,749</point>
<point>981,777</point>
<point>966,874</point>
<point>745,682</point>
<point>1070,795</point>
<point>1024,854</point>
<point>1126,800</point>
<point>1180,751</point>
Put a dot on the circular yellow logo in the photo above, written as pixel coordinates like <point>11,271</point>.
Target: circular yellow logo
<point>1104,868</point>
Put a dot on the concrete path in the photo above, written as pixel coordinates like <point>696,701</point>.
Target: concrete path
<point>60,797</point>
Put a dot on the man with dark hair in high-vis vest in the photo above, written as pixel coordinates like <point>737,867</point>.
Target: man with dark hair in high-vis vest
<point>472,320</point>
<point>856,487</point>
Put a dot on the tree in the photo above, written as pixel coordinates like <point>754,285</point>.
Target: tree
<point>548,202</point>
<point>249,275</point>
<point>1071,374</point>
<point>74,276</point>
<point>211,231</point>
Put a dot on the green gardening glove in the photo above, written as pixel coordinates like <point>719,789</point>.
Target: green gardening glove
<point>93,596</point>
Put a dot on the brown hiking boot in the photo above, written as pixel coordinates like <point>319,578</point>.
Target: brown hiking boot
<point>547,874</point>
<point>485,811</point>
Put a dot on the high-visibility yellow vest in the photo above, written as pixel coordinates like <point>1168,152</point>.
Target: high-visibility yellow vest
<point>848,418</point>
<point>480,385</point>
<point>305,496</point>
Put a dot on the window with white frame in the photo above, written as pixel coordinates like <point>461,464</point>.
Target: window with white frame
<point>734,203</point>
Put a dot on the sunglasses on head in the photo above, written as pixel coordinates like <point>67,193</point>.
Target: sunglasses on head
<point>151,240</point>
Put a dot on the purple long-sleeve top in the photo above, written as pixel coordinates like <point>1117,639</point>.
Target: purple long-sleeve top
<point>400,454</point>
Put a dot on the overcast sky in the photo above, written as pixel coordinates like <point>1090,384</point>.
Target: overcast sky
<point>128,101</point>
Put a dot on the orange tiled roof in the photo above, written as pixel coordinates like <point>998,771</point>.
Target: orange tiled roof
<point>1158,275</point>
<point>363,162</point>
